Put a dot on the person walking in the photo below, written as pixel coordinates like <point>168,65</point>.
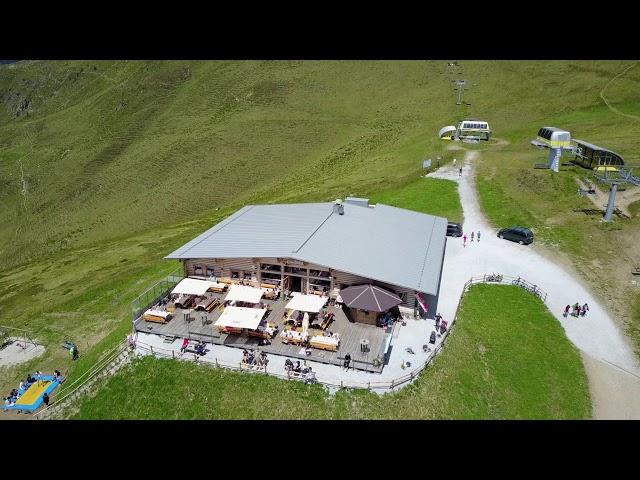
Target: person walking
<point>478,236</point>
<point>472,236</point>
<point>585,309</point>
<point>464,240</point>
<point>45,399</point>
<point>576,309</point>
<point>566,311</point>
<point>454,162</point>
<point>460,172</point>
<point>347,361</point>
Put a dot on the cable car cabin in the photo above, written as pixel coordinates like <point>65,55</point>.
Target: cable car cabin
<point>553,137</point>
<point>592,156</point>
<point>474,129</point>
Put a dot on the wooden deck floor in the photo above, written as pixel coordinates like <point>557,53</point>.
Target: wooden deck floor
<point>201,328</point>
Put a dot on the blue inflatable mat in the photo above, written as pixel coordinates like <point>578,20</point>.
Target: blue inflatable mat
<point>30,398</point>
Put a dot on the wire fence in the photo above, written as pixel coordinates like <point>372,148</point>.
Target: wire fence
<point>497,278</point>
<point>71,390</point>
<point>155,293</point>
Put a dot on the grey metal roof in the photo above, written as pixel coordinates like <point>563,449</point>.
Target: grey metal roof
<point>384,243</point>
<point>258,231</point>
<point>554,129</point>
<point>595,147</point>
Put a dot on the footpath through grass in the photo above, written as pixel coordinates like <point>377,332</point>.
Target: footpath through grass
<point>508,358</point>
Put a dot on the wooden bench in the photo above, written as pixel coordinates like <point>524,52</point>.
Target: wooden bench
<point>156,319</point>
<point>327,321</point>
<point>231,330</point>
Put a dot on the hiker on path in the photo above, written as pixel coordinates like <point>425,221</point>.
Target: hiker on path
<point>585,309</point>
<point>454,162</point>
<point>472,236</point>
<point>478,236</point>
<point>464,240</point>
<point>576,309</point>
<point>45,399</point>
<point>460,172</point>
<point>566,311</point>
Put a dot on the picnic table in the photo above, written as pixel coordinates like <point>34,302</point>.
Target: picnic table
<point>291,336</point>
<point>325,343</point>
<point>157,316</point>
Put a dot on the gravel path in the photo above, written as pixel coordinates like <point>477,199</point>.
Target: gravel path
<point>596,334</point>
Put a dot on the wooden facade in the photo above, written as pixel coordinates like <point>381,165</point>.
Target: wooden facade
<point>289,274</point>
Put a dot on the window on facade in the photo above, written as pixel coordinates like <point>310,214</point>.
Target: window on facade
<point>247,275</point>
<point>235,274</point>
<point>210,272</point>
<point>197,269</point>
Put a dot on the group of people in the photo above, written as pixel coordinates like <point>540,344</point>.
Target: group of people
<point>200,348</point>
<point>440,324</point>
<point>576,310</point>
<point>386,320</point>
<point>464,238</point>
<point>307,372</point>
<point>11,400</point>
<point>251,358</point>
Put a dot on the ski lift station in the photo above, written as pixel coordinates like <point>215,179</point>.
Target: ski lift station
<point>592,156</point>
<point>466,129</point>
<point>552,137</point>
<point>587,155</point>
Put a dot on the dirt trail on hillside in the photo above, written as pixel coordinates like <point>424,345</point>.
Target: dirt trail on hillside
<point>609,360</point>
<point>613,109</point>
<point>615,393</point>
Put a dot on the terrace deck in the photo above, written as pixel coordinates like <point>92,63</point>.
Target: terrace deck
<point>201,327</point>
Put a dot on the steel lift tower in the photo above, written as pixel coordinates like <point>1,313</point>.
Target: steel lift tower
<point>614,176</point>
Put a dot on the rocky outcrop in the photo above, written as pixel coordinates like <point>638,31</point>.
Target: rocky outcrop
<point>17,103</point>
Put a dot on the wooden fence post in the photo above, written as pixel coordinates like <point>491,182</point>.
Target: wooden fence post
<point>151,348</point>
<point>369,386</point>
<point>392,382</point>
<point>173,354</point>
<point>217,362</point>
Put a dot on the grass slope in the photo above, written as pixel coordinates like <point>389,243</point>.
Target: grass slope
<point>508,358</point>
<point>112,148</point>
<point>112,164</point>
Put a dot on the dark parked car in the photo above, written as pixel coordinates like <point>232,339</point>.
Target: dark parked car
<point>454,230</point>
<point>522,235</point>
